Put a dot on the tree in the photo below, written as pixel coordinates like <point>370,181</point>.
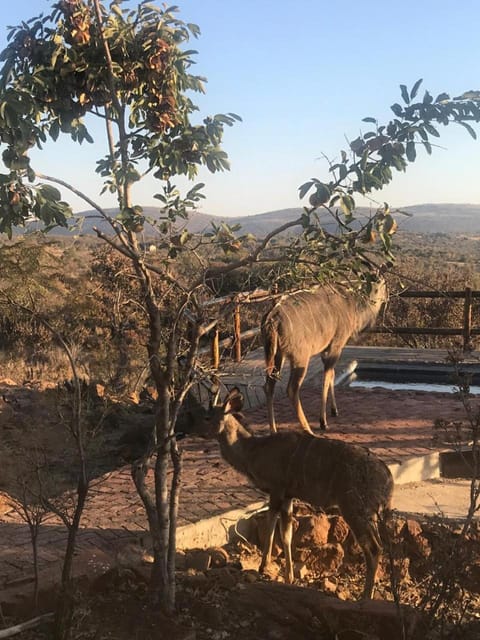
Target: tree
<point>129,69</point>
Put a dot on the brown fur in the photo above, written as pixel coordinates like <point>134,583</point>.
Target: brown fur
<point>305,323</point>
<point>320,471</point>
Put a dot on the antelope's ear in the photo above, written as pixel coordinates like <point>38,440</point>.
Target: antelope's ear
<point>234,401</point>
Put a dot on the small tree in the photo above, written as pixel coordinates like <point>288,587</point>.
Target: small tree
<point>129,69</point>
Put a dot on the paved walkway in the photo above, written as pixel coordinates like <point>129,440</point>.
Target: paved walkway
<point>397,426</point>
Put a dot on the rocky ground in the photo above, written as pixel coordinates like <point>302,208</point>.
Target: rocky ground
<point>220,594</point>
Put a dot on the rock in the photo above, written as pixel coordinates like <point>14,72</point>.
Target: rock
<point>198,559</point>
<point>272,571</point>
<point>301,555</point>
<point>311,531</point>
<point>251,576</point>
<point>411,528</point>
<point>225,577</point>
<point>133,554</point>
<point>326,559</point>
<point>328,585</point>
<point>218,557</point>
<point>339,530</point>
<point>194,577</point>
<point>401,567</point>
<point>249,563</point>
<point>294,608</point>
<point>180,560</point>
<point>416,544</point>
<point>300,570</point>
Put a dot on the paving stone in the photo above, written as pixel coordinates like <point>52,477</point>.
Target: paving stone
<point>393,425</point>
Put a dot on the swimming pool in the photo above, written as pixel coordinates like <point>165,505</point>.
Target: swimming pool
<point>419,376</point>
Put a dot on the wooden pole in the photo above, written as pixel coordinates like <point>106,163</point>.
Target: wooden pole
<point>467,319</point>
<point>237,334</point>
<point>215,349</point>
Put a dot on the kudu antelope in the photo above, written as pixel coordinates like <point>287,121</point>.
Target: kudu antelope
<point>322,472</point>
<point>305,323</point>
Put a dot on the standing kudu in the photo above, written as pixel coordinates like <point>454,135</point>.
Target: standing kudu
<point>325,473</point>
<point>305,323</point>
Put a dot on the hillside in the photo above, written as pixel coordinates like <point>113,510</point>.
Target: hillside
<point>423,218</point>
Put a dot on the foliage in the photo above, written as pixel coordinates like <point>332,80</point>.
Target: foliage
<point>54,74</point>
<point>370,163</point>
<point>129,68</point>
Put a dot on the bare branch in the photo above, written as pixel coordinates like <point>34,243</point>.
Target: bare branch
<point>252,257</point>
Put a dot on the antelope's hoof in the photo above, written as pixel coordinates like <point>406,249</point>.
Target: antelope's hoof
<point>334,412</point>
<point>323,426</point>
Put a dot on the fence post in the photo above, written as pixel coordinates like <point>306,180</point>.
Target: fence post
<point>467,319</point>
<point>215,348</point>
<point>237,339</point>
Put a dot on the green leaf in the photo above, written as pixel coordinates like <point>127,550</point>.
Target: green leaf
<point>343,172</point>
<point>431,130</point>
<point>397,109</point>
<point>415,88</point>
<point>398,163</point>
<point>347,203</point>
<point>427,98</point>
<point>428,147</point>
<point>442,97</point>
<point>405,95</point>
<point>469,128</point>
<point>372,120</point>
<point>411,151</point>
<point>50,193</point>
<point>304,189</point>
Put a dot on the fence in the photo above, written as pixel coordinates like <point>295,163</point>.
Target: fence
<point>467,331</point>
<point>238,300</point>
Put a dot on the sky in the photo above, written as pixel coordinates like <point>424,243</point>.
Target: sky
<point>302,75</point>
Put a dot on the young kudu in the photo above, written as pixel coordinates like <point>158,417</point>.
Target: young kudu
<point>305,323</point>
<point>325,473</point>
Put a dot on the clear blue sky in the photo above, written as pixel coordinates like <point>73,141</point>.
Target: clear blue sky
<point>302,75</point>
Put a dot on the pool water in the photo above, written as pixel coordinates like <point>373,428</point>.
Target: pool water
<point>407,377</point>
<point>410,386</point>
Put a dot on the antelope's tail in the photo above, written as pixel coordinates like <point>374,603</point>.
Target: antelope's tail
<point>270,344</point>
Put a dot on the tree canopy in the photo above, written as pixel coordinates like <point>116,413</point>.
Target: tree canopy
<point>131,69</point>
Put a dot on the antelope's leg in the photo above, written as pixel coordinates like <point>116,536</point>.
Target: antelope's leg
<point>297,375</point>
<point>269,388</point>
<point>329,362</point>
<point>286,526</point>
<point>267,547</point>
<point>372,557</point>
<point>366,534</point>
<point>333,405</point>
<point>327,375</point>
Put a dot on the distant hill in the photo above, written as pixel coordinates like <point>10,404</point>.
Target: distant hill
<point>422,218</point>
